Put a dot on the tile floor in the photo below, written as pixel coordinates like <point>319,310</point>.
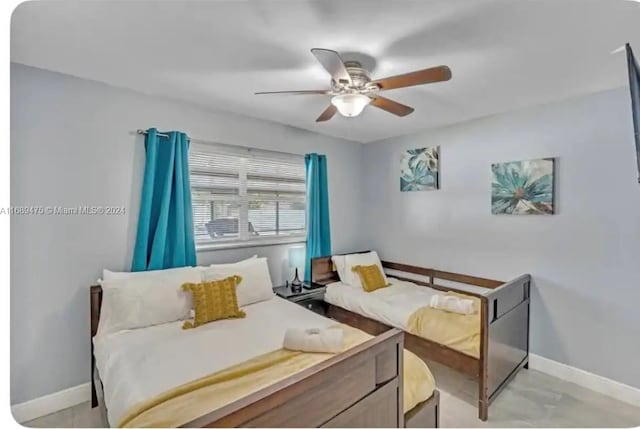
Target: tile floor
<point>532,399</point>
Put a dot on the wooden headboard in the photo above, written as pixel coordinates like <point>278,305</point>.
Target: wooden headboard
<point>322,269</point>
<point>95,303</point>
<point>95,299</point>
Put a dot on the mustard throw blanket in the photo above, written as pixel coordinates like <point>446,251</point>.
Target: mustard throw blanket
<point>185,403</point>
<point>458,331</point>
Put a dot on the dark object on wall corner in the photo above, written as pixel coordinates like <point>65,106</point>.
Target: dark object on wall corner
<point>634,88</point>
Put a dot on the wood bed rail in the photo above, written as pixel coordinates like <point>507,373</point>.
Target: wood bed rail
<point>443,275</point>
<point>322,272</point>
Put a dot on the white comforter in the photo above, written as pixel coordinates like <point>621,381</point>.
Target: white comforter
<point>391,305</point>
<point>138,364</point>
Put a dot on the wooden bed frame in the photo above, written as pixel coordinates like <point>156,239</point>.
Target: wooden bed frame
<point>504,329</point>
<point>361,387</point>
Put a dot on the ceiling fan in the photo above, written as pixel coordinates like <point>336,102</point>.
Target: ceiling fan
<point>352,89</point>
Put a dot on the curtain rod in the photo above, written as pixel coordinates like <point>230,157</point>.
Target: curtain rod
<point>144,132</point>
<point>249,149</point>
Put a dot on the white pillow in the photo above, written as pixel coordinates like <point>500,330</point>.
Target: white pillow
<point>203,268</point>
<point>118,275</point>
<point>256,283</point>
<point>142,301</point>
<point>339,261</point>
<point>369,258</point>
<point>114,275</point>
<point>237,262</point>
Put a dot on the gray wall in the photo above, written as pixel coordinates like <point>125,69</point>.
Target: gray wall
<point>71,144</point>
<point>584,260</point>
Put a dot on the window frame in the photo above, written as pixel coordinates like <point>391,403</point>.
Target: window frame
<point>244,239</point>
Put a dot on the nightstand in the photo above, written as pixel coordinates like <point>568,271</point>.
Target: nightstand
<point>311,299</point>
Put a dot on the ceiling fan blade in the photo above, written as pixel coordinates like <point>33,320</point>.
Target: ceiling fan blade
<point>309,92</point>
<point>327,114</point>
<point>391,106</point>
<point>420,77</point>
<point>332,62</point>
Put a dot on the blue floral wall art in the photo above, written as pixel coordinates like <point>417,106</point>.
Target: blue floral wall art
<point>523,187</point>
<point>420,169</point>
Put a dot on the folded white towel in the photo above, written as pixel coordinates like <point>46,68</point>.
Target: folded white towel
<point>452,304</point>
<point>329,340</point>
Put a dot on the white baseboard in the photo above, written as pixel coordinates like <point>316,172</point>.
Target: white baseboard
<point>51,403</point>
<point>606,386</point>
<point>78,394</point>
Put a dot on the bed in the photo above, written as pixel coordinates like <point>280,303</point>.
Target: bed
<point>492,352</point>
<point>395,304</point>
<point>357,388</point>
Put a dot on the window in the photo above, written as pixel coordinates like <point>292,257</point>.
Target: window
<point>246,196</point>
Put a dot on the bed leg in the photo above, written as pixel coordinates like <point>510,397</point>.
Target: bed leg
<point>483,400</point>
<point>483,379</point>
<point>483,410</point>
<point>94,394</point>
<point>526,365</point>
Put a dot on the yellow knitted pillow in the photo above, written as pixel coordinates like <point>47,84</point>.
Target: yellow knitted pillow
<point>214,301</point>
<point>370,277</point>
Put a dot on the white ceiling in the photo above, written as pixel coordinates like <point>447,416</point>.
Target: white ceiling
<point>504,54</point>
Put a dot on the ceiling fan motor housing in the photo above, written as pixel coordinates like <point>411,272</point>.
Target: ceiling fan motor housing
<point>359,78</point>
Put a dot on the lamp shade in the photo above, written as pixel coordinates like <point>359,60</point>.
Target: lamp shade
<point>350,104</point>
<point>296,256</point>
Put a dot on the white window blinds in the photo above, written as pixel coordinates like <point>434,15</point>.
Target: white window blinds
<point>245,195</point>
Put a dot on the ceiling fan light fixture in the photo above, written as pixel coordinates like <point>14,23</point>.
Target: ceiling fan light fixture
<point>350,105</point>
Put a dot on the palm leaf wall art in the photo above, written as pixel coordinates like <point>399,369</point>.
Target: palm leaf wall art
<point>523,187</point>
<point>420,169</point>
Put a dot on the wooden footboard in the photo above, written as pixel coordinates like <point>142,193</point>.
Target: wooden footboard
<point>361,387</point>
<point>505,339</point>
<point>504,329</point>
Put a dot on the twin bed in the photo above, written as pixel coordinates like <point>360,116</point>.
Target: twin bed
<point>234,372</point>
<point>490,345</point>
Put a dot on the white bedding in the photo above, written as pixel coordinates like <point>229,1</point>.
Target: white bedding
<point>138,364</point>
<point>391,305</point>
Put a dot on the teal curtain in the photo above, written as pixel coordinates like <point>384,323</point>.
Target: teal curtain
<point>165,224</point>
<point>318,227</point>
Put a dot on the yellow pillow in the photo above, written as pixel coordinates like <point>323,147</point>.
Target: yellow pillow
<point>214,301</point>
<point>370,277</point>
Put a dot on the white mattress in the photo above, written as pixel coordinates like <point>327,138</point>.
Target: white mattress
<point>391,305</point>
<point>138,364</point>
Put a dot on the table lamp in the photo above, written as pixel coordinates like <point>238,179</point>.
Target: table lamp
<point>296,260</point>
